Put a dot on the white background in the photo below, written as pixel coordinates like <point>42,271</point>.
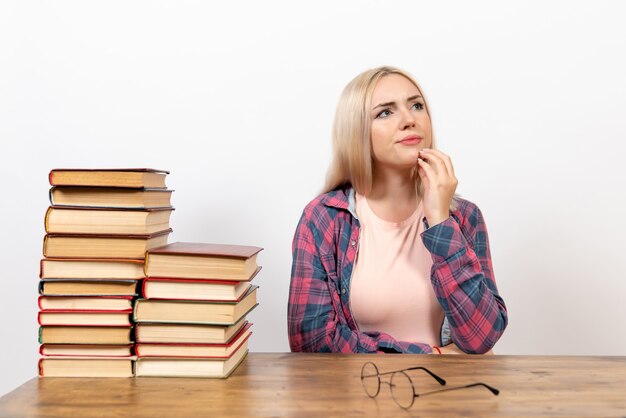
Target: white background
<point>236,99</point>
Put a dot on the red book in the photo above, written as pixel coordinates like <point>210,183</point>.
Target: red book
<point>85,303</point>
<point>194,350</point>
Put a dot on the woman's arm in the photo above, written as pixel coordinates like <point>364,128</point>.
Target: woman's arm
<point>462,277</point>
<point>316,321</point>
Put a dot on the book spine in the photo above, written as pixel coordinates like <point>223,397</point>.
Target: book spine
<point>145,264</point>
<point>40,367</point>
<point>45,244</point>
<point>40,335</point>
<point>46,220</point>
<point>41,272</point>
<point>50,198</point>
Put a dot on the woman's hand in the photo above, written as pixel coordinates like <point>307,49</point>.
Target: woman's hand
<point>437,174</point>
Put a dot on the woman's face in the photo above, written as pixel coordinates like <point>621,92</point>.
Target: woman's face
<point>400,123</point>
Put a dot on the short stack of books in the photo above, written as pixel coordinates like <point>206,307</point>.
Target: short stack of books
<point>191,319</point>
<point>98,228</point>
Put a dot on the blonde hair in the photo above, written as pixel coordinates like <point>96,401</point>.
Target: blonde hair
<point>352,157</point>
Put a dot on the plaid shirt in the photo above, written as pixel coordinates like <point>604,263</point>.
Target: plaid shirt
<point>325,246</point>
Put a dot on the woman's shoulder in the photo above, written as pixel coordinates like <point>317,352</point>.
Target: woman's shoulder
<point>328,204</point>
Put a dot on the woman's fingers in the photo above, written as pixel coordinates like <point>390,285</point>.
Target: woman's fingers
<point>441,162</point>
<point>445,159</point>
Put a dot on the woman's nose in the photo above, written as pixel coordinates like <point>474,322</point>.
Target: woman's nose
<point>408,121</point>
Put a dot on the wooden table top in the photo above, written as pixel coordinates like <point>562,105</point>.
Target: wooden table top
<point>324,385</point>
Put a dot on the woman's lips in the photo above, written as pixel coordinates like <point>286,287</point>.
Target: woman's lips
<point>411,140</point>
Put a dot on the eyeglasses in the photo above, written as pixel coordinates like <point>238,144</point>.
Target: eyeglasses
<point>401,385</point>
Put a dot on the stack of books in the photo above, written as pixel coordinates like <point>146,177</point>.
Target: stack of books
<point>191,319</point>
<point>98,228</point>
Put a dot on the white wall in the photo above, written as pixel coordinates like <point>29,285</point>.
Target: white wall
<point>237,99</point>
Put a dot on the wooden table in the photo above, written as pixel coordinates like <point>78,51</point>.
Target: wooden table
<point>324,385</point>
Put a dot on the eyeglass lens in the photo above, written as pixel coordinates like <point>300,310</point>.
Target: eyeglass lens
<point>370,379</point>
<point>402,389</point>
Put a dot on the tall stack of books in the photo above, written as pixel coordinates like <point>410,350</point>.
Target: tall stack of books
<point>191,319</point>
<point>98,228</point>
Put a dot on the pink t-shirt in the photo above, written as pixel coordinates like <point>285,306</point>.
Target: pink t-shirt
<point>390,288</point>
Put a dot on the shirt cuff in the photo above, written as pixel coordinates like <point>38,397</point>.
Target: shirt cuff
<point>444,239</point>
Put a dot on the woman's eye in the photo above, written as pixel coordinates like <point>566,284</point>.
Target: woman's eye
<point>418,106</point>
<point>383,114</point>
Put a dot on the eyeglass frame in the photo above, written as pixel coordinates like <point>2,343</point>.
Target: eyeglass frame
<point>439,379</point>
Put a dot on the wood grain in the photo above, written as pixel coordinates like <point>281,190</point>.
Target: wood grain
<point>325,385</point>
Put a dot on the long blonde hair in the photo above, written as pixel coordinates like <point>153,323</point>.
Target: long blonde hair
<point>352,157</point>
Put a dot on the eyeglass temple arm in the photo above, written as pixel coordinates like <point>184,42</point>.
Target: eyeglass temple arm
<point>490,388</point>
<point>441,381</point>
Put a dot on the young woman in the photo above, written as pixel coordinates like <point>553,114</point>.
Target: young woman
<point>388,259</point>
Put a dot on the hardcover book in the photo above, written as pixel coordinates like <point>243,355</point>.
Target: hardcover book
<point>194,350</point>
<point>85,318</point>
<point>82,220</point>
<point>82,268</point>
<point>75,287</point>
<point>194,289</point>
<point>188,367</point>
<point>98,303</point>
<point>108,177</point>
<point>101,245</point>
<point>85,335</point>
<point>85,367</point>
<point>203,261</point>
<point>147,332</point>
<point>86,350</point>
<point>195,312</point>
<point>107,197</point>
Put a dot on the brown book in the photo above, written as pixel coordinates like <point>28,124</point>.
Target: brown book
<point>188,367</point>
<point>86,350</point>
<point>84,318</point>
<point>195,312</point>
<point>108,177</point>
<point>85,303</point>
<point>188,260</point>
<point>81,268</point>
<point>50,287</point>
<point>187,333</point>
<point>194,350</point>
<point>108,197</point>
<point>85,367</point>
<point>84,335</point>
<point>82,220</point>
<point>102,246</point>
<point>194,289</point>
